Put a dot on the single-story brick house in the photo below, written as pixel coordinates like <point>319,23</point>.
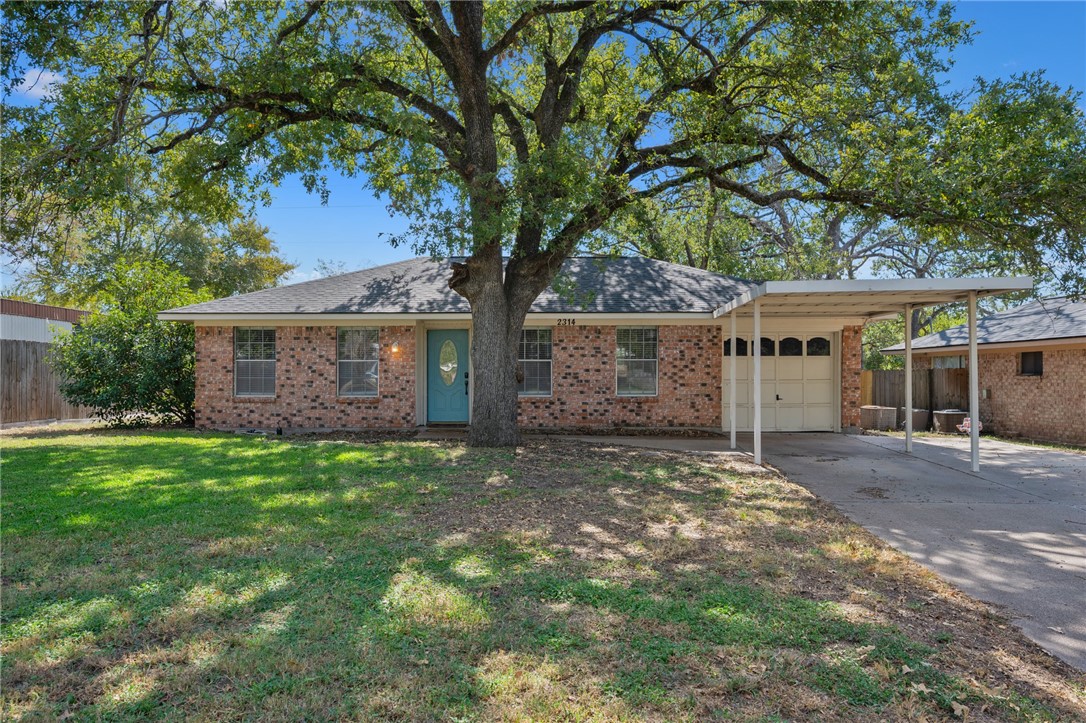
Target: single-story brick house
<point>1031,365</point>
<point>636,343</point>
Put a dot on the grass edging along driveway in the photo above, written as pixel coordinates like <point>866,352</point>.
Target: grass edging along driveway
<point>169,575</point>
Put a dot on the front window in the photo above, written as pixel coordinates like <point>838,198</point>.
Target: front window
<point>534,357</point>
<point>254,362</point>
<point>357,362</point>
<point>637,361</point>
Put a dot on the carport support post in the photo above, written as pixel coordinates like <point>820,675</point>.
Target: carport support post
<point>908,377</point>
<point>974,383</point>
<point>757,381</point>
<point>731,389</point>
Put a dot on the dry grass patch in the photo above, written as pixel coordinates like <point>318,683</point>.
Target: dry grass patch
<point>203,576</point>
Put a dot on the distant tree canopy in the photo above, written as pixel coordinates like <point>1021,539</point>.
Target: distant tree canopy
<point>703,225</point>
<point>516,132</point>
<point>63,249</point>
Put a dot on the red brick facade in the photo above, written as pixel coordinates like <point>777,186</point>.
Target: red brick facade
<point>305,383</point>
<point>1050,407</point>
<point>583,382</point>
<point>851,365</point>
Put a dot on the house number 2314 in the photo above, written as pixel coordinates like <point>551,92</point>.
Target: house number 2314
<point>567,322</point>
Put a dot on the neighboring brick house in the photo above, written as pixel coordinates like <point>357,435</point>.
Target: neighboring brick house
<point>636,343</point>
<point>1031,361</point>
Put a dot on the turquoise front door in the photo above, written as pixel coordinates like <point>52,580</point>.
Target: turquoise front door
<point>447,375</point>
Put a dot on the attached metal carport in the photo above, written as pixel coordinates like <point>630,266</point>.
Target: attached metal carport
<point>869,299</point>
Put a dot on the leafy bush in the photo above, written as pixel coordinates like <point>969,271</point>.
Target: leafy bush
<point>125,363</point>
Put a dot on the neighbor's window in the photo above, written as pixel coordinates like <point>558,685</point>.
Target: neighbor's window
<point>1031,363</point>
<point>534,357</point>
<point>254,362</point>
<point>948,362</point>
<point>357,362</point>
<point>637,361</point>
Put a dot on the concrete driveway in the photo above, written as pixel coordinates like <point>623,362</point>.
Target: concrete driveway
<point>1013,534</point>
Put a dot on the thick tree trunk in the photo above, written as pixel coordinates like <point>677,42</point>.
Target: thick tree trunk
<point>495,333</point>
<point>494,364</point>
<point>500,298</point>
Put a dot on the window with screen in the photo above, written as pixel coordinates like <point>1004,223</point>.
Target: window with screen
<point>1032,363</point>
<point>534,357</point>
<point>949,362</point>
<point>637,354</point>
<point>254,362</point>
<point>357,359</point>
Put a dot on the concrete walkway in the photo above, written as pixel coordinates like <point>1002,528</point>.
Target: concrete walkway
<point>1013,534</point>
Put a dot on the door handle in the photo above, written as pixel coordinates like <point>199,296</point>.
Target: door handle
<point>465,382</point>
<point>778,397</point>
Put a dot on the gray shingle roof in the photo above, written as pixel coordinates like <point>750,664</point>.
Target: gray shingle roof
<point>420,286</point>
<point>1044,319</point>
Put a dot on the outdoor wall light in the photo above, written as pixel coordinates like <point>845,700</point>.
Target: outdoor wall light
<point>395,348</point>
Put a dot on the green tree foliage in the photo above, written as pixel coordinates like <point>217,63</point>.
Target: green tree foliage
<point>125,363</point>
<point>516,131</point>
<point>63,250</point>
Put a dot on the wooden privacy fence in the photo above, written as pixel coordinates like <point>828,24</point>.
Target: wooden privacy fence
<point>933,389</point>
<point>30,390</point>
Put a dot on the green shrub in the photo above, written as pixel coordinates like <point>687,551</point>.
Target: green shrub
<point>122,361</point>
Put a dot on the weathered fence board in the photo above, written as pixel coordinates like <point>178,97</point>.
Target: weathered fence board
<point>29,389</point>
<point>932,389</point>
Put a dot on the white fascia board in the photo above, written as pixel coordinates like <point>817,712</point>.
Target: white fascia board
<point>307,319</point>
<point>1067,341</point>
<point>586,319</point>
<point>983,286</point>
<point>742,300</point>
<point>868,286</point>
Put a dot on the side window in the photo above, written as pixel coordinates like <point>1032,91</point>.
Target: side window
<point>254,362</point>
<point>1032,363</point>
<point>534,358</point>
<point>357,362</point>
<point>637,361</point>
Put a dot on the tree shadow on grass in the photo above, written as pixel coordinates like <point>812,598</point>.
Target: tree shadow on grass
<point>244,579</point>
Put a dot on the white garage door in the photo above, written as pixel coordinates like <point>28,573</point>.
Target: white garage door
<point>797,382</point>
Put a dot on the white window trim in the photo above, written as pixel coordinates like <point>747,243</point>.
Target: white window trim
<point>657,360</point>
<point>275,362</point>
<point>376,394</point>
<point>539,395</point>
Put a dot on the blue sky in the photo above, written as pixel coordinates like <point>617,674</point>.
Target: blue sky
<point>1011,37</point>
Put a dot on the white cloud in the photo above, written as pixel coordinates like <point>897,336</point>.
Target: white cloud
<point>37,83</point>
<point>297,276</point>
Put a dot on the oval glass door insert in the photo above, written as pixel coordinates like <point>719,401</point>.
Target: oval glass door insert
<point>447,362</point>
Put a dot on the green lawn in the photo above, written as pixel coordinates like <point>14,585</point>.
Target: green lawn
<point>206,576</point>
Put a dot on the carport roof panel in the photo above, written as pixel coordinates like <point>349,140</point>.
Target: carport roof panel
<point>866,298</point>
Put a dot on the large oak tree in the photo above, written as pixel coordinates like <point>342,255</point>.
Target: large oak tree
<point>511,132</point>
